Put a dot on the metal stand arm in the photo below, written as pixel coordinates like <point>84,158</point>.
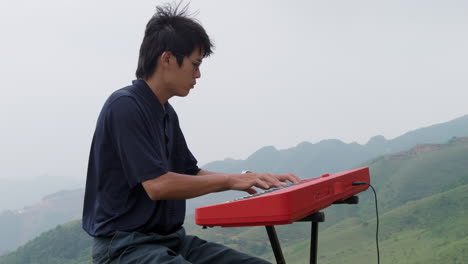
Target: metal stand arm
<point>275,245</point>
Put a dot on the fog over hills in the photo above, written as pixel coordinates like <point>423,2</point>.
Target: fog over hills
<point>17,193</point>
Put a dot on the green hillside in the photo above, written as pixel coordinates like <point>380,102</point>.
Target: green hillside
<point>422,200</point>
<point>17,227</point>
<point>430,230</point>
<point>420,172</point>
<point>65,244</point>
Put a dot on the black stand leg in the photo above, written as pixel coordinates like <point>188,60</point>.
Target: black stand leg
<point>313,243</point>
<point>275,245</point>
<point>314,219</point>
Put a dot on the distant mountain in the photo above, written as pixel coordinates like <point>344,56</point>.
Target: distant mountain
<point>422,199</point>
<point>19,226</point>
<point>331,155</point>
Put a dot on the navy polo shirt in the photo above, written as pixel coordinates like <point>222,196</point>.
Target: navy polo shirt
<point>136,139</point>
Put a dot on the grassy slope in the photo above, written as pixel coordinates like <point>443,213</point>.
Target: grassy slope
<point>431,230</point>
<point>66,243</point>
<point>407,177</point>
<point>413,233</point>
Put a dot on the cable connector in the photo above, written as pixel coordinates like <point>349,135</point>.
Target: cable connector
<point>360,183</point>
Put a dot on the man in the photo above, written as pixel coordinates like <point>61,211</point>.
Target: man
<point>140,169</point>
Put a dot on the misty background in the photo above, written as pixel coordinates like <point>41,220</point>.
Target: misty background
<point>283,72</point>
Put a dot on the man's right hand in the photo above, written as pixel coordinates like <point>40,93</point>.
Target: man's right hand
<point>246,182</point>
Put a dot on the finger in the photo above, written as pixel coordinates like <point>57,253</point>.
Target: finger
<point>271,179</point>
<point>292,177</point>
<point>295,177</point>
<point>286,177</point>
<point>251,191</point>
<point>261,184</point>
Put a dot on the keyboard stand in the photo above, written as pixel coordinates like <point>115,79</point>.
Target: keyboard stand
<point>314,219</point>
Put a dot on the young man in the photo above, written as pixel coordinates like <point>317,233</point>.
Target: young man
<point>140,169</point>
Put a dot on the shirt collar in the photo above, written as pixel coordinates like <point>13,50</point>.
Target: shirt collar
<point>145,91</point>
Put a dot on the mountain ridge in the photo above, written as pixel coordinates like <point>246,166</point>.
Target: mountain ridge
<point>345,155</point>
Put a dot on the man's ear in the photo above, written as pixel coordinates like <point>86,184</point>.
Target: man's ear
<point>165,58</point>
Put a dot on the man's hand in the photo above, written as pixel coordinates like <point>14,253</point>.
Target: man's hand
<point>246,182</point>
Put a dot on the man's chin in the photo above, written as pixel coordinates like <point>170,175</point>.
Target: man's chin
<point>184,94</point>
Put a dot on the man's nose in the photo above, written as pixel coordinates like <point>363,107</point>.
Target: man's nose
<point>197,74</point>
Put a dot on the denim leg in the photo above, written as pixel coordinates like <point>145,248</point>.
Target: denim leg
<point>199,251</point>
<point>134,247</point>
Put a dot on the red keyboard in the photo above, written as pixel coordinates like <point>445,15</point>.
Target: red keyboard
<point>284,205</point>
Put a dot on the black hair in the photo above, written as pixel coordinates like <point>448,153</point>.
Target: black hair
<point>170,29</point>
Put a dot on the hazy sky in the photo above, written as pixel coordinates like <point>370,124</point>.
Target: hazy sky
<point>283,72</point>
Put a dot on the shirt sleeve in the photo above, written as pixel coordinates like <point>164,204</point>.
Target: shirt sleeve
<point>189,162</point>
<point>140,155</point>
<point>191,167</point>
